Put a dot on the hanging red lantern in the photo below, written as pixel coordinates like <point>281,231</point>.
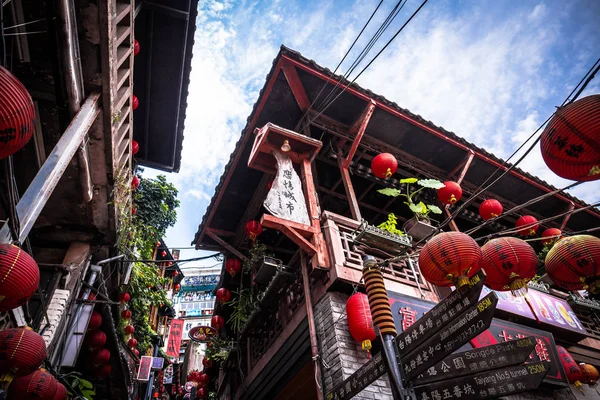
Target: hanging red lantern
<point>553,234</point>
<point>201,392</point>
<point>203,378</point>
<point>571,368</point>
<point>95,321</point>
<point>125,314</point>
<point>223,295</point>
<point>177,287</point>
<point>163,253</point>
<point>136,47</point>
<point>17,114</point>
<point>136,352</point>
<point>528,225</point>
<point>450,258</point>
<point>95,340</point>
<point>38,385</point>
<point>61,392</point>
<point>207,363</point>
<point>590,374</point>
<point>129,329</point>
<point>217,322</point>
<point>135,182</point>
<point>360,321</point>
<point>450,193</point>
<point>573,263</point>
<point>490,208</point>
<point>175,273</point>
<point>100,357</point>
<point>253,229</point>
<point>570,142</point>
<point>132,342</point>
<point>135,147</point>
<point>384,165</point>
<point>124,298</point>
<point>233,266</point>
<point>22,351</point>
<point>19,276</point>
<point>102,371</point>
<point>135,103</point>
<point>509,264</point>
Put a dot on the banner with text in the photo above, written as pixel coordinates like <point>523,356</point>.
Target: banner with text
<point>175,334</point>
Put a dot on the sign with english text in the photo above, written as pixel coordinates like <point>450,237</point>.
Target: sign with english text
<point>359,380</point>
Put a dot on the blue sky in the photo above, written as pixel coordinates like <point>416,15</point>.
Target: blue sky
<point>491,71</point>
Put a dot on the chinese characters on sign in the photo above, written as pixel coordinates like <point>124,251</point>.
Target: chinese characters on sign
<point>286,199</point>
<point>145,368</point>
<point>359,380</point>
<point>202,334</point>
<point>174,342</point>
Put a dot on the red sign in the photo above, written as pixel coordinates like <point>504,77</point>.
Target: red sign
<point>174,342</point>
<point>202,334</point>
<point>145,368</point>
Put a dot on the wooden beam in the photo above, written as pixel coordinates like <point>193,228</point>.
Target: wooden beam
<point>466,165</point>
<point>350,193</point>
<point>359,128</point>
<point>273,222</point>
<point>298,239</point>
<point>293,80</point>
<point>225,245</point>
<point>314,211</point>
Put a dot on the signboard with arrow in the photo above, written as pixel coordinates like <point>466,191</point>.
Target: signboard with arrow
<point>359,380</point>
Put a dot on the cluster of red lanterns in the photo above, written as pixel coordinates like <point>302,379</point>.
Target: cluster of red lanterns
<point>200,380</point>
<point>20,277</point>
<point>94,341</point>
<point>360,321</point>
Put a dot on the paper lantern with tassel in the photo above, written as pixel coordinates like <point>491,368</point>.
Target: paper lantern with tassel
<point>129,330</point>
<point>528,225</point>
<point>22,351</point>
<point>100,357</point>
<point>233,266</point>
<point>20,276</point>
<point>490,208</point>
<point>553,234</point>
<point>135,147</point>
<point>574,374</point>
<point>223,295</point>
<point>135,182</point>
<point>590,375</point>
<point>61,392</point>
<point>360,321</point>
<point>17,114</point>
<point>95,340</point>
<point>39,385</point>
<point>450,193</point>
<point>253,229</point>
<point>573,263</point>
<point>132,342</point>
<point>136,47</point>
<point>135,102</point>
<point>450,258</point>
<point>125,314</point>
<point>217,322</point>
<point>570,143</point>
<point>509,264</point>
<point>384,165</point>
<point>95,321</point>
<point>124,298</point>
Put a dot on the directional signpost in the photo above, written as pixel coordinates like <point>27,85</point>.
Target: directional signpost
<point>359,380</point>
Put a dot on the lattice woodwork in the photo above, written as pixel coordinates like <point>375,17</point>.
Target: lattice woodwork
<point>590,321</point>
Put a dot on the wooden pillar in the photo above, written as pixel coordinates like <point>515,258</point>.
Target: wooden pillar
<point>350,193</point>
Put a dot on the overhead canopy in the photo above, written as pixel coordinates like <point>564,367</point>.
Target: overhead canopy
<point>165,30</point>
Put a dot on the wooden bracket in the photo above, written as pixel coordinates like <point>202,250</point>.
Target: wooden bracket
<point>211,234</point>
<point>359,128</point>
<point>293,80</point>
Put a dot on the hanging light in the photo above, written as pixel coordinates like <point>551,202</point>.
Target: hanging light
<point>17,114</point>
<point>590,375</point>
<point>22,351</point>
<point>573,263</point>
<point>570,143</point>
<point>490,208</point>
<point>163,253</point>
<point>39,385</point>
<point>526,223</point>
<point>509,264</point>
<point>450,258</point>
<point>285,147</point>
<point>384,165</point>
<point>223,295</point>
<point>253,229</point>
<point>450,193</point>
<point>553,234</point>
<point>360,321</point>
<point>571,368</point>
<point>233,266</point>
<point>19,277</point>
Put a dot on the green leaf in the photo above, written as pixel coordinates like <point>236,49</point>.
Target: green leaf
<point>408,180</point>
<point>420,208</point>
<point>389,192</point>
<point>88,394</point>
<point>86,384</point>
<point>434,209</point>
<point>431,183</point>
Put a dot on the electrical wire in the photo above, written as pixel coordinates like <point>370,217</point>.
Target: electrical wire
<point>2,35</point>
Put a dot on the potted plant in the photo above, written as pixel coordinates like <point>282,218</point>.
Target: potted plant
<point>419,227</point>
<point>386,236</point>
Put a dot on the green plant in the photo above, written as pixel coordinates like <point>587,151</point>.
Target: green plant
<point>257,252</point>
<point>391,225</point>
<point>244,302</point>
<point>219,349</point>
<point>543,252</point>
<point>420,209</point>
<point>84,389</point>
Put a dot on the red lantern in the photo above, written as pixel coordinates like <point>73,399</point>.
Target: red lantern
<point>490,208</point>
<point>163,253</point>
<point>19,276</point>
<point>135,147</point>
<point>17,114</point>
<point>135,103</point>
<point>136,47</point>
<point>129,329</point>
<point>570,142</point>
<point>133,210</point>
<point>95,340</point>
<point>384,165</point>
<point>22,351</point>
<point>124,298</point>
<point>135,182</point>
<point>590,374</point>
<point>360,321</point>
<point>136,352</point>
<point>61,392</point>
<point>571,368</point>
<point>450,258</point>
<point>573,263</point>
<point>509,264</point>
<point>132,342</point>
<point>39,385</point>
<point>233,266</point>
<point>203,379</point>
<point>95,321</point>
<point>102,370</point>
<point>528,225</point>
<point>125,314</point>
<point>553,234</point>
<point>201,392</point>
<point>253,229</point>
<point>223,295</point>
<point>450,193</point>
<point>207,363</point>
<point>100,357</point>
<point>175,273</point>
<point>217,322</point>
<point>177,287</point>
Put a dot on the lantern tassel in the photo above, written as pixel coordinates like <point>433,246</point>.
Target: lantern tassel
<point>6,379</point>
<point>579,386</point>
<point>366,345</point>
<point>462,283</point>
<point>518,288</point>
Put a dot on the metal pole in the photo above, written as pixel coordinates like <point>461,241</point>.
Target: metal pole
<point>39,191</point>
<point>157,344</point>
<point>384,320</point>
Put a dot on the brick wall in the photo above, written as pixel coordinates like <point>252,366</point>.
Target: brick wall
<point>340,351</point>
